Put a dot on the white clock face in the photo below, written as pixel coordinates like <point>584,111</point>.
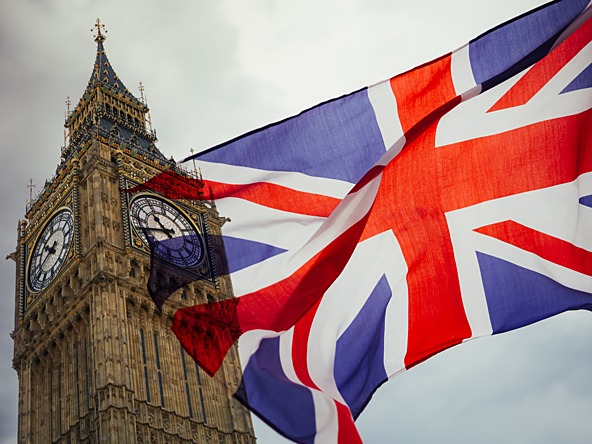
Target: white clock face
<point>51,249</point>
<point>173,237</point>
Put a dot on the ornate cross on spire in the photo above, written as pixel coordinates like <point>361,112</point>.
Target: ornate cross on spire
<point>100,27</point>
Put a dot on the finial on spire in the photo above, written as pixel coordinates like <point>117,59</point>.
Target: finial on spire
<point>30,186</point>
<point>195,173</point>
<point>101,31</point>
<point>145,102</point>
<point>141,88</point>
<point>66,115</point>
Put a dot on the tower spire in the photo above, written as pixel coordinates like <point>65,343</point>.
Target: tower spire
<point>101,31</point>
<point>109,109</point>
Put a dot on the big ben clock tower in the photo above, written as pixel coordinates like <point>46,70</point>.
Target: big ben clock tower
<point>96,360</point>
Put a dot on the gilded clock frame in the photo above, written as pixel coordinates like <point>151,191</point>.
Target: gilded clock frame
<point>28,294</point>
<point>206,269</point>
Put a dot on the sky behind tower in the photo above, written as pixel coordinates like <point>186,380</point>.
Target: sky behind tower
<point>214,70</point>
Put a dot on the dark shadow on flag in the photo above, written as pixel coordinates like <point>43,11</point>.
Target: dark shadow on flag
<point>166,277</point>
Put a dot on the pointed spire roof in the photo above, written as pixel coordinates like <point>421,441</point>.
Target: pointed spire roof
<point>103,73</point>
<point>108,109</point>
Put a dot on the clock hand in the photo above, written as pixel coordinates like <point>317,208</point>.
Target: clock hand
<point>164,230</point>
<point>169,231</point>
<point>46,258</point>
<point>51,250</point>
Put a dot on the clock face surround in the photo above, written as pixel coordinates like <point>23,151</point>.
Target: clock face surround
<point>51,250</point>
<point>171,234</point>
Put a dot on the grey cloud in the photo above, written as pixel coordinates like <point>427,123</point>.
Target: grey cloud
<point>529,386</point>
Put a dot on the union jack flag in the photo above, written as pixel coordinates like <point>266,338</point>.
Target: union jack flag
<point>375,230</point>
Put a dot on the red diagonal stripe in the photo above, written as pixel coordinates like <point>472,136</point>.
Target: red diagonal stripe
<point>276,196</point>
<point>175,186</point>
<point>347,433</point>
<point>545,70</point>
<point>207,331</point>
<point>300,346</point>
<point>547,247</point>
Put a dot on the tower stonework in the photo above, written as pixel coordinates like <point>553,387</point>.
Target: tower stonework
<point>96,360</point>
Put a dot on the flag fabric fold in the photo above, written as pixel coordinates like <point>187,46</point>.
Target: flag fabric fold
<point>447,203</point>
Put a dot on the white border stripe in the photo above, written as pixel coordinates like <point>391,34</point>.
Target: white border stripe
<point>326,418</point>
<point>286,339</point>
<point>239,175</point>
<point>280,228</point>
<point>554,211</point>
<point>396,328</point>
<point>249,342</point>
<point>351,210</point>
<point>346,298</point>
<point>462,73</point>
<point>384,104</point>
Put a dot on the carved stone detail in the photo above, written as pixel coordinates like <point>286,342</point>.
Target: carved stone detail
<point>85,348</point>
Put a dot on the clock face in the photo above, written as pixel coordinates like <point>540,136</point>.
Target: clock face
<point>50,250</point>
<point>170,233</point>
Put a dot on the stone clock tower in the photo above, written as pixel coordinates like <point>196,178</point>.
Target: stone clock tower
<point>96,361</point>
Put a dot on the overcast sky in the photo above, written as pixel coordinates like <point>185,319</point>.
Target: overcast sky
<point>216,69</point>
